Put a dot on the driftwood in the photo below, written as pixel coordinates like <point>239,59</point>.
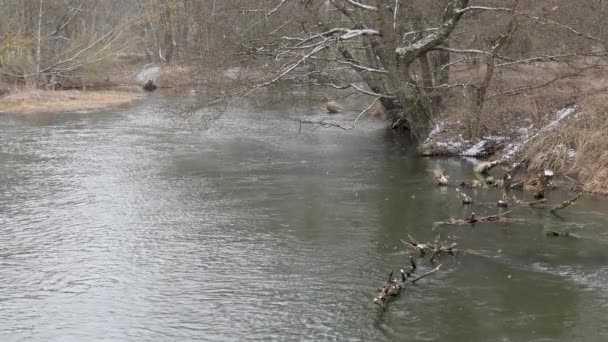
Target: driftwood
<point>474,219</point>
<point>566,203</point>
<point>393,286</point>
<point>435,248</point>
<point>485,167</point>
<point>391,289</point>
<point>440,178</point>
<point>334,107</point>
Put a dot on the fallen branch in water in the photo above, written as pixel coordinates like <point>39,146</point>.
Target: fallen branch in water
<point>426,274</point>
<point>435,248</point>
<point>531,204</point>
<point>554,233</point>
<point>326,124</point>
<point>393,286</point>
<point>485,167</point>
<point>567,203</point>
<point>474,219</point>
<point>321,123</point>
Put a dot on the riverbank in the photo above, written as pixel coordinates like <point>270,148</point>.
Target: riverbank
<point>571,141</point>
<point>33,100</point>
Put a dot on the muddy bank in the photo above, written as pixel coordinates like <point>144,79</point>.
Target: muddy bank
<point>31,101</point>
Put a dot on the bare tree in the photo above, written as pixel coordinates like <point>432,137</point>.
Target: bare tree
<point>403,51</point>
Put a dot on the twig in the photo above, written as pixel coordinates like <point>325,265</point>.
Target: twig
<point>566,203</point>
<point>426,274</point>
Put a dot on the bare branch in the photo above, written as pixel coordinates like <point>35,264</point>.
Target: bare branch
<point>520,89</point>
<point>539,19</point>
<point>67,22</point>
<point>451,18</point>
<point>362,6</point>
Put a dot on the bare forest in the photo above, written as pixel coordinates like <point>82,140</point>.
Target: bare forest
<point>438,69</point>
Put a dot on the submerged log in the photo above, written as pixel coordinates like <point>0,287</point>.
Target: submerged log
<point>393,286</point>
<point>554,233</point>
<point>531,204</point>
<point>334,107</point>
<point>566,204</point>
<point>474,219</point>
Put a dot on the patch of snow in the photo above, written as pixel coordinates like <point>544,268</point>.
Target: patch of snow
<point>150,72</point>
<point>455,144</point>
<point>548,173</point>
<point>497,138</point>
<point>475,150</point>
<point>571,153</point>
<point>559,116</point>
<point>526,133</point>
<point>436,129</point>
<point>512,149</point>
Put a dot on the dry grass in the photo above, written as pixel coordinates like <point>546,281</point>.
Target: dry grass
<point>578,147</point>
<point>31,100</point>
<point>581,77</point>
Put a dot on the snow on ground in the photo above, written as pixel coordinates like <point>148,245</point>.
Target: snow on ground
<point>149,72</point>
<point>513,148</point>
<point>440,142</point>
<point>475,150</point>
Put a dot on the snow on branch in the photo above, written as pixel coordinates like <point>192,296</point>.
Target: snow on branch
<point>421,46</point>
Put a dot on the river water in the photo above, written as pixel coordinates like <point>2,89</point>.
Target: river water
<point>142,223</point>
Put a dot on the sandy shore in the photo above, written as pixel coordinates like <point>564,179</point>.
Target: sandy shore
<point>33,101</point>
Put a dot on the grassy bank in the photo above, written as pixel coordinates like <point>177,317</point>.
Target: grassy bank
<point>562,127</point>
<point>34,100</point>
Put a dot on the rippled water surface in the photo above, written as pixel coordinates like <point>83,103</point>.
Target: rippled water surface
<point>146,224</point>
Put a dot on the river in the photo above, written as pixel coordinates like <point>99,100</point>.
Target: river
<point>142,223</point>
